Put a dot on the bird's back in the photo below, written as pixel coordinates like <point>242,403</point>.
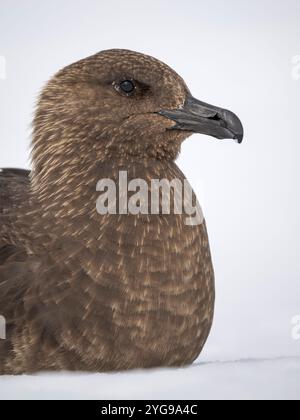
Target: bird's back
<point>14,185</point>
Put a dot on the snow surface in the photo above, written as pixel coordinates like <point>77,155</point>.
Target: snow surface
<point>237,380</point>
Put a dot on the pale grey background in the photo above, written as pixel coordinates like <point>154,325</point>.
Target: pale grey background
<point>236,54</point>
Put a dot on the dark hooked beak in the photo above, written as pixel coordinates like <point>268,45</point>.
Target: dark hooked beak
<point>200,117</point>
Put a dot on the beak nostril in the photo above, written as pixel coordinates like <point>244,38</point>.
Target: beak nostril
<point>215,118</point>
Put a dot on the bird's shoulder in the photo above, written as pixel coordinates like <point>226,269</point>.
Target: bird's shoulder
<point>14,184</point>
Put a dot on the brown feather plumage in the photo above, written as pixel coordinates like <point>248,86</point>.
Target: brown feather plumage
<point>82,291</point>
